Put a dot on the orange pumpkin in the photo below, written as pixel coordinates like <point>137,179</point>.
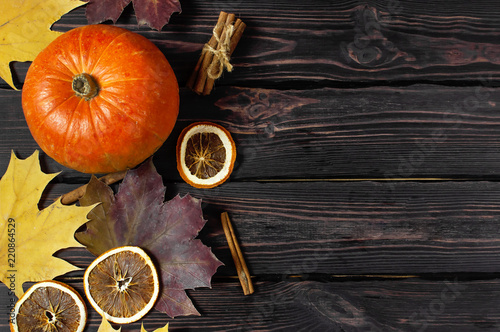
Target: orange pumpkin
<point>100,99</point>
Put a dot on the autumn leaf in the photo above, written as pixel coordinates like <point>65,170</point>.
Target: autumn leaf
<point>25,29</point>
<point>29,236</point>
<point>106,326</point>
<point>137,215</point>
<point>154,13</point>
<point>161,329</point>
<point>98,236</point>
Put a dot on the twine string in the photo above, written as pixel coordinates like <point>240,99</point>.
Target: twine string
<point>221,53</point>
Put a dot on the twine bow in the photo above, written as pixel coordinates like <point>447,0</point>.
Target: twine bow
<point>221,53</point>
<point>216,53</point>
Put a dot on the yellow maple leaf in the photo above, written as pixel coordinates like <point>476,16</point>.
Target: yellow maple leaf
<point>25,29</point>
<point>106,327</point>
<point>29,236</point>
<point>161,329</point>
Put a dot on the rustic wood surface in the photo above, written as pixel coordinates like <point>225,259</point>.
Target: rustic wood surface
<point>365,194</point>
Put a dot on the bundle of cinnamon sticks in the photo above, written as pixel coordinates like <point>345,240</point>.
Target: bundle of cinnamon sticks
<point>216,53</point>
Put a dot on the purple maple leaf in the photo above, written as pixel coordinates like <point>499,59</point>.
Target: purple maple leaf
<point>167,231</point>
<point>154,13</point>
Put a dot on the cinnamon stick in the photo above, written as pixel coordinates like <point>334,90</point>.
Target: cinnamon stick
<point>76,194</point>
<point>208,56</point>
<point>216,53</point>
<point>239,261</point>
<point>195,76</point>
<point>239,27</point>
<point>223,41</point>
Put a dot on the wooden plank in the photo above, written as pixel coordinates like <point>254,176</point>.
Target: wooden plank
<point>348,228</point>
<point>369,305</point>
<point>422,131</point>
<point>358,227</point>
<point>341,42</point>
<point>411,132</point>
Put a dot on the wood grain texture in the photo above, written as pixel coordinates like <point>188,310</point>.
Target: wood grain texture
<point>359,227</point>
<point>325,92</point>
<point>411,132</point>
<point>348,228</point>
<point>422,131</point>
<point>371,305</point>
<point>341,42</point>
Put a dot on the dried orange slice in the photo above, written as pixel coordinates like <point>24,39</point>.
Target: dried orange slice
<point>49,306</point>
<point>205,154</point>
<point>122,284</point>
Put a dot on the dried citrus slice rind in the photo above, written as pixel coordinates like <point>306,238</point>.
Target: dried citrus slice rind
<point>205,154</point>
<point>122,284</point>
<point>49,306</point>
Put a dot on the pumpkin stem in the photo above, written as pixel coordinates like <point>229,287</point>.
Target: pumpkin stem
<point>85,86</point>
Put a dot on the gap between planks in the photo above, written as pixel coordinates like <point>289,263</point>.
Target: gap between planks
<point>292,277</point>
<point>359,179</point>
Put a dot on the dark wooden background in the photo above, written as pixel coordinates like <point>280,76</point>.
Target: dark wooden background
<point>365,193</point>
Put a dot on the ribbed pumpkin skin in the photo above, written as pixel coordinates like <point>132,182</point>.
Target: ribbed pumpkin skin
<point>130,118</point>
